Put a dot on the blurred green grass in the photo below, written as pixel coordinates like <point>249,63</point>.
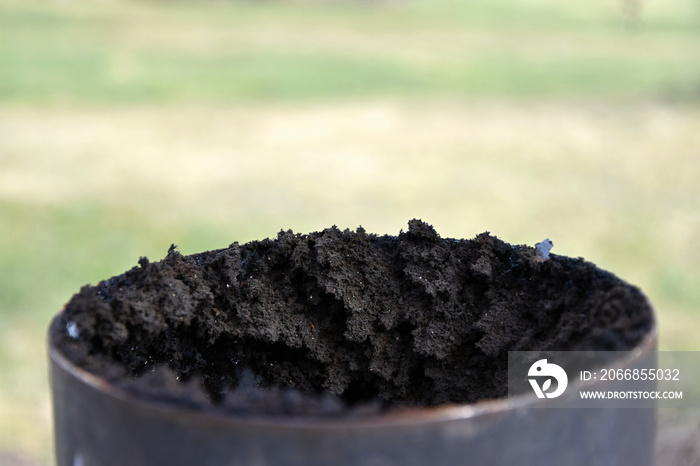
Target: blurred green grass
<point>127,126</point>
<point>117,52</point>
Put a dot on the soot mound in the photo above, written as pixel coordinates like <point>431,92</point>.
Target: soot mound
<point>338,322</point>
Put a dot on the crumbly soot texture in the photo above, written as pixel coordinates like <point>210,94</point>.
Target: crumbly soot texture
<point>340,322</point>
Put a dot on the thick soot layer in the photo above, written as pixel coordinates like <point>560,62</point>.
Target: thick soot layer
<point>320,323</point>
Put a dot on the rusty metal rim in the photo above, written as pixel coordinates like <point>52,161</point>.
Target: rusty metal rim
<point>400,417</point>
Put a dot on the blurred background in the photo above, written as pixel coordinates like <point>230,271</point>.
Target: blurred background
<point>129,125</point>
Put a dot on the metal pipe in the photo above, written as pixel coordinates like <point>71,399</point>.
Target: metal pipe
<point>100,424</point>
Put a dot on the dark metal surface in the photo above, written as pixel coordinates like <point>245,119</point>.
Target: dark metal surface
<point>97,424</point>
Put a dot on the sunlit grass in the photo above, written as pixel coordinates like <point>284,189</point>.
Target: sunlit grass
<point>614,184</point>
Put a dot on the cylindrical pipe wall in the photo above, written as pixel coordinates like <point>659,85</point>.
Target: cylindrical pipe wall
<point>98,424</point>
